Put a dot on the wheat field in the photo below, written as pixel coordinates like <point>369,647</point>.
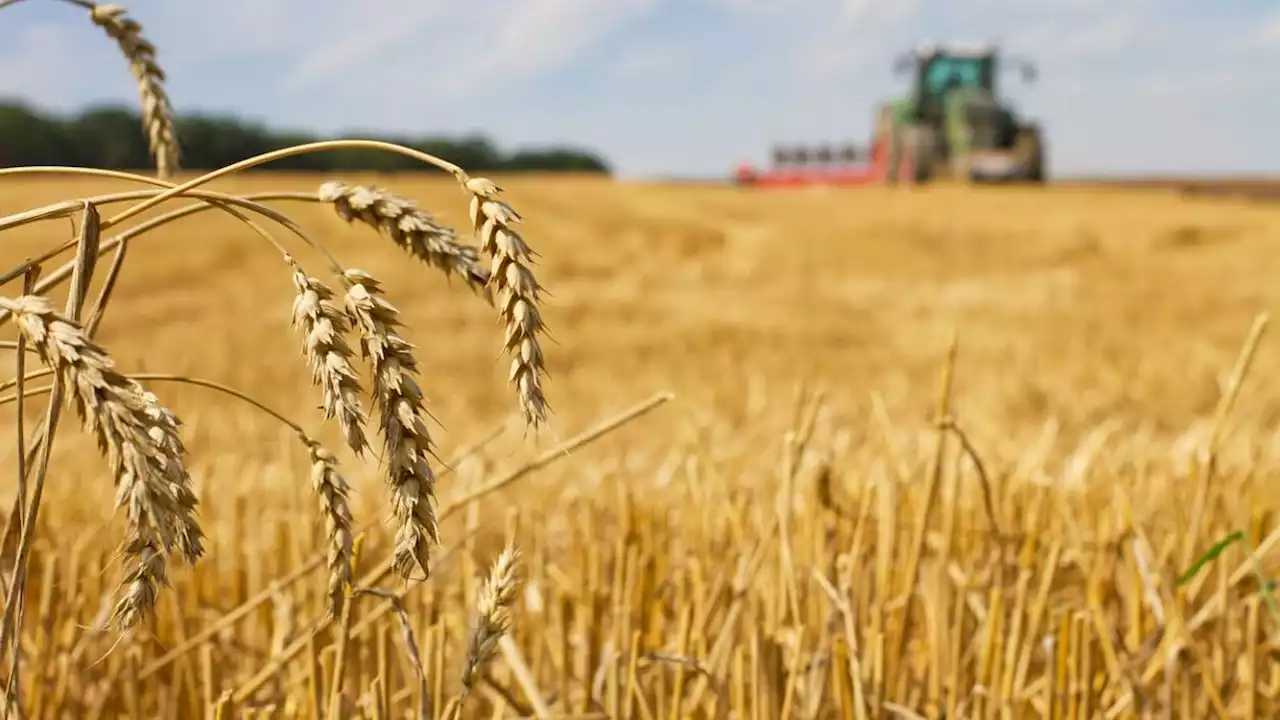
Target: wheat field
<point>927,453</point>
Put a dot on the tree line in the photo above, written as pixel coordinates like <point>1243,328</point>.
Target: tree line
<point>111,137</point>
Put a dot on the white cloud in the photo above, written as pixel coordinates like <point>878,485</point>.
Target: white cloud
<point>757,9</point>
<point>1269,34</point>
<point>466,50</point>
<point>1094,29</point>
<point>651,62</point>
<point>543,35</point>
<point>367,42</point>
<point>239,26</point>
<point>1040,6</point>
<point>860,33</point>
<point>1198,85</point>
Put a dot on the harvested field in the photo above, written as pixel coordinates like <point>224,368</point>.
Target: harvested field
<point>1261,189</point>
<point>793,535</point>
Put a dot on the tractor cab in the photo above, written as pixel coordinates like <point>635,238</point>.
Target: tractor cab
<point>938,72</point>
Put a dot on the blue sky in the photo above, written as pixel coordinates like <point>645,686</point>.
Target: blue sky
<point>687,87</point>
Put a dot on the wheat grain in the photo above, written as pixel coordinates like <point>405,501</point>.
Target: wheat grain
<point>492,616</point>
<point>157,114</point>
<point>322,324</point>
<point>165,432</point>
<point>415,230</point>
<point>403,416</point>
<point>139,438</point>
<point>517,293</point>
<point>333,490</point>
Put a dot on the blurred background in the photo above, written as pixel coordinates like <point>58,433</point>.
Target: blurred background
<point>684,88</point>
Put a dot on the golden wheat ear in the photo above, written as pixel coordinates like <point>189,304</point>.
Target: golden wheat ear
<point>333,491</point>
<point>492,617</point>
<point>415,230</point>
<point>157,113</point>
<point>322,324</point>
<point>517,296</point>
<point>139,438</point>
<point>402,407</point>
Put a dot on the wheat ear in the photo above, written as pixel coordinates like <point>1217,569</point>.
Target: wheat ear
<point>333,490</point>
<point>157,113</point>
<point>415,230</point>
<point>492,616</point>
<point>517,293</point>
<point>322,324</point>
<point>401,406</point>
<point>139,438</point>
<point>190,536</point>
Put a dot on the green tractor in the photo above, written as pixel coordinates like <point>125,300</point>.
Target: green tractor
<point>953,125</point>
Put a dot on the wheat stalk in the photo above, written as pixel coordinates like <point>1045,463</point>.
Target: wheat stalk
<point>415,230</point>
<point>157,114</point>
<point>403,416</point>
<point>517,293</point>
<point>333,490</point>
<point>139,438</point>
<point>322,324</point>
<point>492,617</point>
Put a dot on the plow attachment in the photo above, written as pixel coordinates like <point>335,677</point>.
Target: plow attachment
<point>799,168</point>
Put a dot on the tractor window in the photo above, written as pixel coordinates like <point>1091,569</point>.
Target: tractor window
<point>944,71</point>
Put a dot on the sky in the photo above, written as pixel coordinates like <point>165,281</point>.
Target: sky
<point>684,87</point>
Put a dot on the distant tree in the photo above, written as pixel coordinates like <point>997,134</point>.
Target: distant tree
<point>111,137</point>
<point>26,138</point>
<point>556,159</point>
<point>107,137</point>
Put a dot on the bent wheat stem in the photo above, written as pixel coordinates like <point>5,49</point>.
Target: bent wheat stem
<point>213,200</point>
<point>281,154</point>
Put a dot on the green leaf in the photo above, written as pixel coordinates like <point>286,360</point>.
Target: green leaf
<point>1208,557</point>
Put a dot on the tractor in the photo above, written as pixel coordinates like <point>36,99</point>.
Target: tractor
<point>953,123</point>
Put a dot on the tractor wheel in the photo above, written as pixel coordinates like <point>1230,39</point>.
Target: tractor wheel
<point>1031,149</point>
<point>916,155</point>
